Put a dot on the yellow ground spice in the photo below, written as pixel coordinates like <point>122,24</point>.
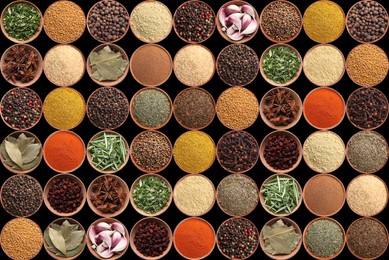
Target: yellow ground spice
<point>21,239</point>
<point>194,151</point>
<point>64,108</point>
<point>324,21</point>
<point>64,21</point>
<point>367,65</point>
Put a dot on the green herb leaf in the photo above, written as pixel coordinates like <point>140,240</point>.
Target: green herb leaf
<point>14,153</point>
<point>74,240</point>
<point>58,240</point>
<point>30,153</point>
<point>107,65</point>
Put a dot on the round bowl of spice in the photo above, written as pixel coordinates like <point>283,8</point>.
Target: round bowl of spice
<point>237,195</point>
<point>367,21</point>
<point>104,232</point>
<point>237,65</point>
<point>281,21</point>
<point>367,195</point>
<point>280,231</point>
<point>151,21</point>
<point>21,65</point>
<point>194,238</point>
<point>21,108</point>
<point>324,238</point>
<point>237,238</point>
<point>367,238</point>
<point>64,65</point>
<point>21,238</point>
<point>194,65</point>
<point>151,65</point>
<point>324,151</point>
<point>280,151</point>
<point>324,21</point>
<point>194,151</point>
<point>280,195</point>
<point>324,195</point>
<point>367,108</point>
<point>290,110</point>
<point>367,151</point>
<point>21,21</point>
<point>108,21</point>
<point>323,65</point>
<point>151,195</point>
<point>194,21</point>
<point>151,238</point>
<point>64,151</point>
<point>21,195</point>
<point>367,65</point>
<point>151,108</point>
<point>107,65</point>
<point>324,108</point>
<point>237,21</point>
<point>108,195</point>
<point>194,195</point>
<point>64,195</point>
<point>280,65</point>
<point>108,152</point>
<point>71,235</point>
<point>21,152</point>
<point>194,108</point>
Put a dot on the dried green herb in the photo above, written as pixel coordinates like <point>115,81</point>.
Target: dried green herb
<point>64,240</point>
<point>281,64</point>
<point>107,65</point>
<point>22,153</point>
<point>280,239</point>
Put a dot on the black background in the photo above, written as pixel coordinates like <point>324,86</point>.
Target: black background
<point>129,86</point>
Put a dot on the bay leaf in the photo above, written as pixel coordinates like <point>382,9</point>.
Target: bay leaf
<point>279,246</point>
<point>74,240</point>
<point>31,164</point>
<point>76,250</point>
<point>269,249</point>
<point>65,229</point>
<point>50,245</point>
<point>14,153</point>
<point>106,71</point>
<point>31,152</point>
<point>57,240</point>
<point>23,142</point>
<point>12,139</point>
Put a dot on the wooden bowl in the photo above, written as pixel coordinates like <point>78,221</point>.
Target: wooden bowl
<point>108,83</point>
<point>144,221</point>
<point>125,32</point>
<point>15,135</point>
<point>89,157</point>
<point>295,97</point>
<point>59,221</point>
<point>271,82</point>
<point>288,222</point>
<point>263,30</point>
<point>49,185</point>
<point>109,221</point>
<point>38,71</point>
<point>32,37</point>
<point>135,183</point>
<point>348,29</point>
<point>262,197</point>
<point>132,104</point>
<point>123,185</point>
<point>265,141</point>
<point>305,234</point>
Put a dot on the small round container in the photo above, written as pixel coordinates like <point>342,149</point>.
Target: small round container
<point>108,83</point>
<point>262,197</point>
<point>124,188</point>
<point>142,222</point>
<point>295,97</point>
<point>305,234</point>
<point>271,82</point>
<point>220,27</point>
<point>59,221</point>
<point>265,142</point>
<point>131,194</point>
<point>15,135</point>
<point>288,222</point>
<point>89,157</point>
<point>32,37</point>
<point>48,186</point>
<point>109,221</point>
<point>38,71</point>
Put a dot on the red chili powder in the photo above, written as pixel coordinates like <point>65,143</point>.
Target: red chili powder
<point>324,108</point>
